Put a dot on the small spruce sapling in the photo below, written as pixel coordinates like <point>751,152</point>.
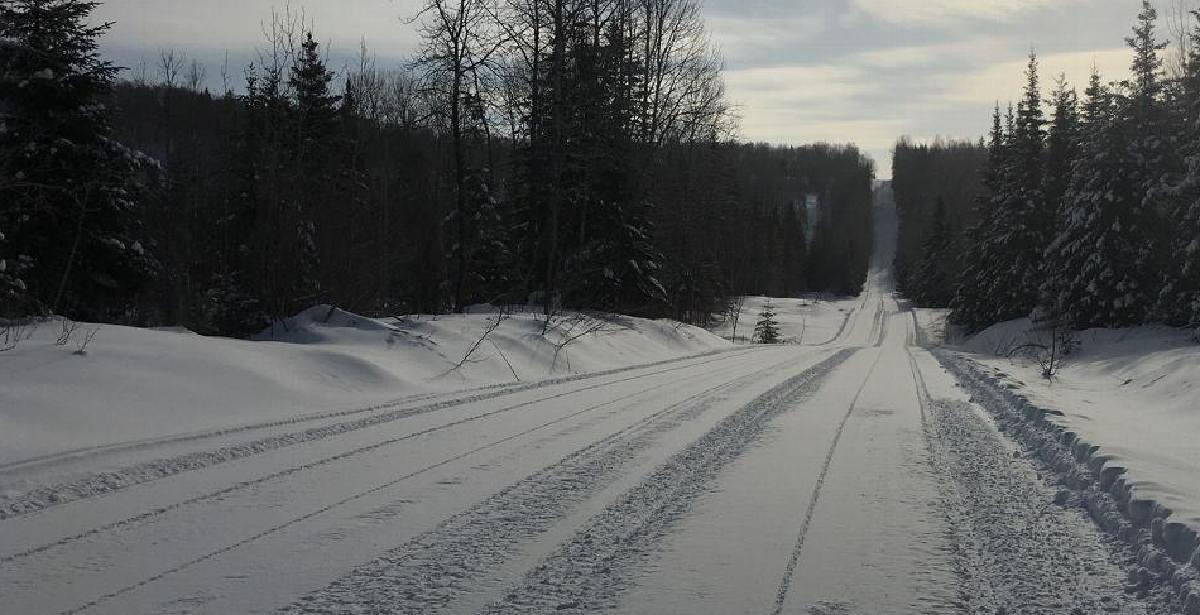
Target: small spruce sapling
<point>767,328</point>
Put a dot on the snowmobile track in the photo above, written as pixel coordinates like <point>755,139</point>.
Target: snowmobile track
<point>93,485</point>
<point>588,572</point>
<point>359,495</point>
<point>814,499</point>
<point>243,485</point>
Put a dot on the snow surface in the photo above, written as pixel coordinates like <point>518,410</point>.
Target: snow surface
<point>932,325</point>
<point>1134,392</point>
<point>136,384</point>
<point>810,321</point>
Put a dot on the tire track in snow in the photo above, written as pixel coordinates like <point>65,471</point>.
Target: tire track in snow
<point>79,454</point>
<point>873,337</point>
<point>484,535</point>
<point>789,572</point>
<point>881,324</point>
<point>586,573</point>
<point>495,389</point>
<point>432,570</point>
<point>92,485</point>
<point>852,321</point>
<point>841,329</point>
<point>247,484</point>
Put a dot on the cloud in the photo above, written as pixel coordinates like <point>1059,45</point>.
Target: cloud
<point>236,25</point>
<point>745,37</point>
<point>932,56</point>
<point>1004,81</point>
<point>952,13</point>
<point>863,71</point>
<point>798,83</point>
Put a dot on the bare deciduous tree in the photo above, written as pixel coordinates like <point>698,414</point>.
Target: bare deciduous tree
<point>171,63</point>
<point>459,41</point>
<point>1179,19</point>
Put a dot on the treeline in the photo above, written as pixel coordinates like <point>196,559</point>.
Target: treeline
<point>936,187</point>
<point>1091,217</point>
<point>573,153</point>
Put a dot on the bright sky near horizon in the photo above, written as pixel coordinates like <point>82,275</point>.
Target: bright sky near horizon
<point>799,71</point>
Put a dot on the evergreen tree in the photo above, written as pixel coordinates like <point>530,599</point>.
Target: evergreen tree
<point>601,238</point>
<point>767,328</point>
<point>1063,143</point>
<point>934,281</point>
<point>992,288</point>
<point>1062,147</point>
<point>1095,257</point>
<point>263,220</point>
<point>234,301</point>
<point>1178,301</point>
<point>971,307</point>
<point>1030,137</point>
<point>73,197</point>
<point>14,299</point>
<point>314,178</point>
<point>482,245</point>
<point>792,226</point>
<point>1156,165</point>
<point>1024,222</point>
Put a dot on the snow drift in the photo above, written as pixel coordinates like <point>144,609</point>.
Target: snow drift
<point>136,384</point>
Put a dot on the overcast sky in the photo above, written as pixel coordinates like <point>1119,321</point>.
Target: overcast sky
<point>799,71</point>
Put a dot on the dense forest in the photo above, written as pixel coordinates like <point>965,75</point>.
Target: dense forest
<point>1088,216</point>
<point>935,186</point>
<point>569,153</point>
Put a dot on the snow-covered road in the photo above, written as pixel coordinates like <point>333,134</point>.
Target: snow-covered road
<point>848,477</point>
<point>758,480</point>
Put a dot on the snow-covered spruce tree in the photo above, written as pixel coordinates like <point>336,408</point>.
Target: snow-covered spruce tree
<point>766,330</point>
<point>288,162</point>
<point>235,296</point>
<point>313,168</point>
<point>973,307</point>
<point>1038,216</point>
<point>1062,147</point>
<point>1062,152</point>
<point>934,280</point>
<point>1022,226</point>
<point>1096,257</point>
<point>72,195</point>
<point>1156,165</point>
<point>1110,255</point>
<point>488,257</point>
<point>1178,301</point>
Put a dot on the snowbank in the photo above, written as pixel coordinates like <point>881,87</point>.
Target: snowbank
<point>1166,551</point>
<point>809,321</point>
<point>1132,393</point>
<point>932,325</point>
<point>136,384</point>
